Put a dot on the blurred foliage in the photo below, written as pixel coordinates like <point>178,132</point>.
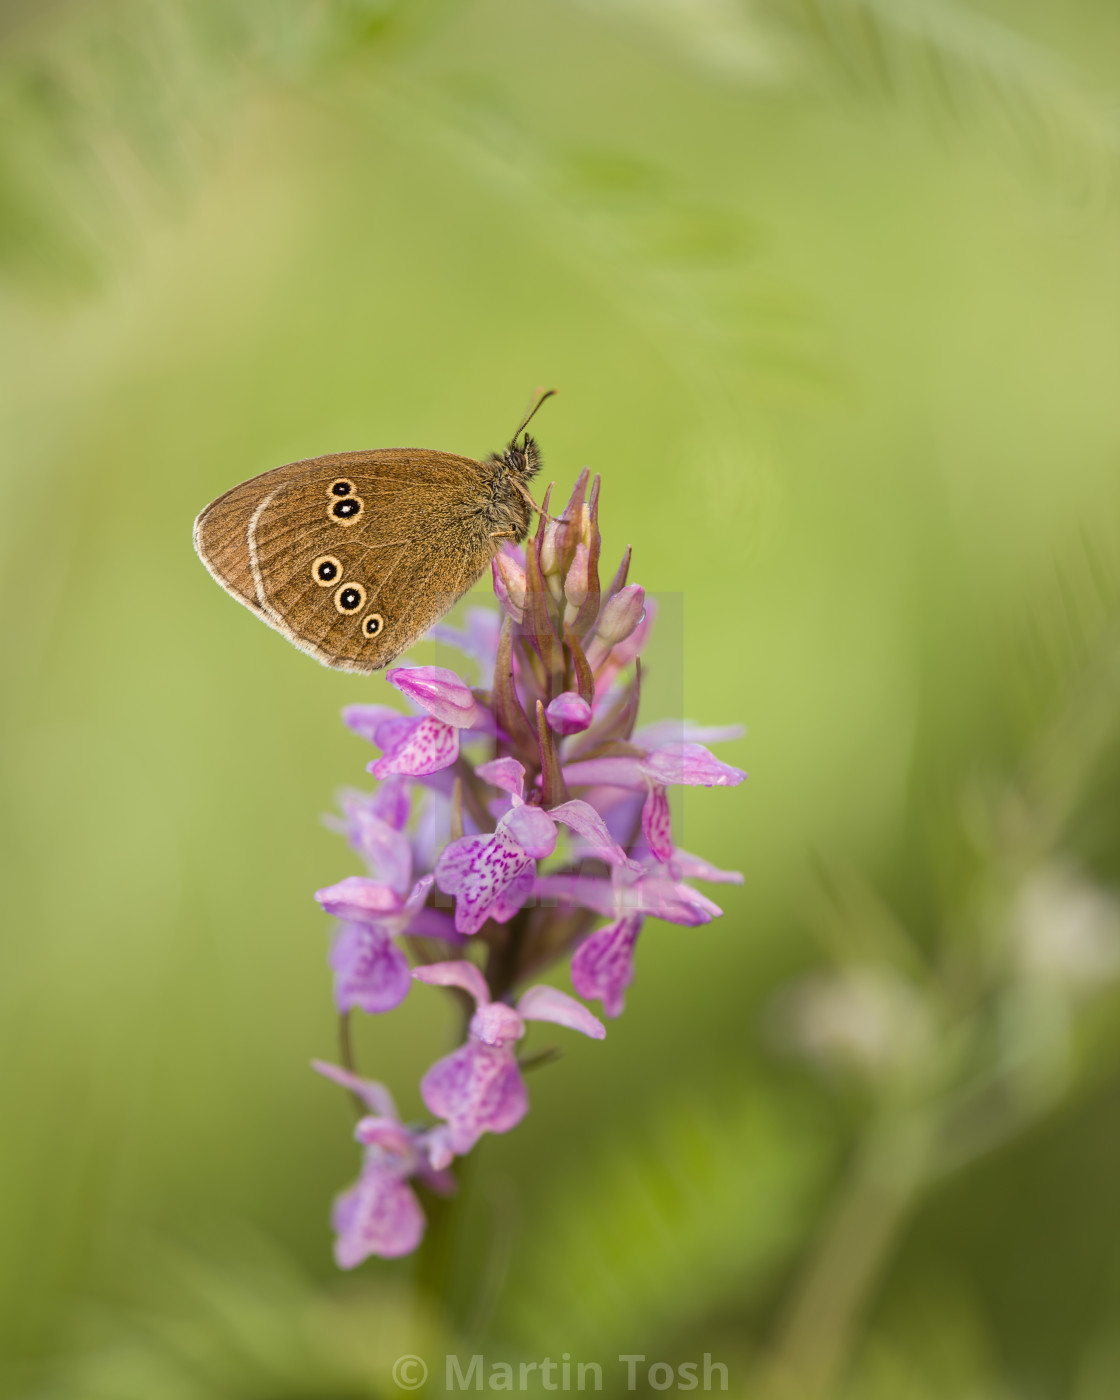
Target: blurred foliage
<point>830,288</point>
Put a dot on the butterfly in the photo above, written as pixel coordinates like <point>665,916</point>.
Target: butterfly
<point>353,556</point>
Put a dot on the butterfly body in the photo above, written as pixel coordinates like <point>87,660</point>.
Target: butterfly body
<point>354,555</point>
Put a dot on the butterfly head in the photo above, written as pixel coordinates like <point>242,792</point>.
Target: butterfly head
<point>523,459</point>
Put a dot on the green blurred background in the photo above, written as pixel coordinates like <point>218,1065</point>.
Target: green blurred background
<point>831,290</point>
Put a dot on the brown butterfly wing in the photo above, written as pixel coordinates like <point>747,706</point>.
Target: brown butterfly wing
<point>353,578</point>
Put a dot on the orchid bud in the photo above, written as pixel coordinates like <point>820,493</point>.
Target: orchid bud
<point>569,713</point>
<point>575,585</point>
<point>621,614</point>
<point>509,585</point>
<point>550,562</point>
<point>551,544</point>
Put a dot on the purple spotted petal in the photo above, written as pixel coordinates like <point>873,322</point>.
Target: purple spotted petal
<point>586,822</point>
<point>424,746</point>
<point>476,1089</point>
<point>504,773</point>
<point>380,1215</point>
<point>455,974</point>
<point>513,897</point>
<point>547,1004</point>
<point>359,898</point>
<point>656,825</point>
<point>532,828</point>
<point>372,1094</point>
<point>692,764</point>
<point>439,691</point>
<point>569,713</point>
<point>603,965</point>
<point>457,860</point>
<point>477,870</point>
<point>370,971</point>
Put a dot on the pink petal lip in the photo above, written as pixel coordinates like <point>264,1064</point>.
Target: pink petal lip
<point>476,1089</point>
<point>418,747</point>
<point>603,964</point>
<point>371,972</point>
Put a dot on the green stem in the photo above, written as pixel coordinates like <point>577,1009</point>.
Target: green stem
<point>438,1260</point>
<point>346,1056</point>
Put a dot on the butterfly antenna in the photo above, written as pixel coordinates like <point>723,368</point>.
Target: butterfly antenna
<point>517,486</point>
<point>535,404</point>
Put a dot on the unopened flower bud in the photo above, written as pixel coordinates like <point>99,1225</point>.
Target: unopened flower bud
<point>575,585</point>
<point>569,713</point>
<point>509,585</point>
<point>550,561</point>
<point>622,614</point>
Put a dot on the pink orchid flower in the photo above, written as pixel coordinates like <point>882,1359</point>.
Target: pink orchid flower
<point>415,745</point>
<point>667,761</point>
<point>371,972</point>
<point>603,965</point>
<point>491,876</point>
<point>380,1214</point>
<point>478,1088</point>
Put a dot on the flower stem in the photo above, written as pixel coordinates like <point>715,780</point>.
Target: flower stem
<point>438,1260</point>
<point>346,1055</point>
